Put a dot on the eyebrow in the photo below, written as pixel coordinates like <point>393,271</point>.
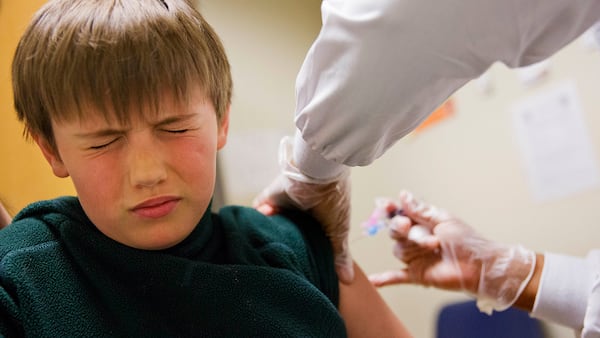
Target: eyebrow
<point>113,131</point>
<point>174,119</point>
<point>99,133</point>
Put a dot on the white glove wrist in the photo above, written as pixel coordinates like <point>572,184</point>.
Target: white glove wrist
<point>503,278</point>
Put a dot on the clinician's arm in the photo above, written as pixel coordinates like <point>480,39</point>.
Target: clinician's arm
<point>569,292</point>
<point>379,67</point>
<point>558,288</point>
<point>377,70</point>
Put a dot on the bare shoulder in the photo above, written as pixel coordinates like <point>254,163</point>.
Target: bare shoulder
<point>5,218</point>
<point>365,312</point>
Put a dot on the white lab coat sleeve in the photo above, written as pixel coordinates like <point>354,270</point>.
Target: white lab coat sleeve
<point>569,292</point>
<point>379,67</point>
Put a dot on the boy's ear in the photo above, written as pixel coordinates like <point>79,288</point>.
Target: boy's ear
<point>52,156</point>
<point>223,129</point>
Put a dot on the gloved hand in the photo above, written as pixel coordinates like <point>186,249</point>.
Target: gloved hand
<point>451,255</point>
<point>326,200</point>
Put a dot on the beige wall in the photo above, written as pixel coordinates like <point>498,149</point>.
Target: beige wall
<point>469,164</point>
<point>266,41</point>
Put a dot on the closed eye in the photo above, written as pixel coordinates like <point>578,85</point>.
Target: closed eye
<point>104,145</point>
<point>176,131</point>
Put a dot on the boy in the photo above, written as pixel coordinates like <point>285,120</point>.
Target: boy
<point>130,98</point>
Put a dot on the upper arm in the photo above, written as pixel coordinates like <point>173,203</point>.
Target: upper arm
<point>365,312</point>
<point>5,218</point>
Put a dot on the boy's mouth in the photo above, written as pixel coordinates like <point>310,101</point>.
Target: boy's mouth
<point>156,207</point>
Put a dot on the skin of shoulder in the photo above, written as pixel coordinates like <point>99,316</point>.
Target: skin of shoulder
<point>5,218</point>
<point>365,312</point>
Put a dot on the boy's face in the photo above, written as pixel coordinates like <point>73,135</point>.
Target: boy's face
<point>145,184</point>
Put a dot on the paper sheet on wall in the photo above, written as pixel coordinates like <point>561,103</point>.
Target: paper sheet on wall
<point>554,143</point>
<point>249,162</point>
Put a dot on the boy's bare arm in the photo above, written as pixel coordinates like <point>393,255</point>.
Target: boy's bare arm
<point>365,312</point>
<point>5,218</point>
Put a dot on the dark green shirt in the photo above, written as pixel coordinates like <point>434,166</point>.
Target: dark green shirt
<point>239,274</point>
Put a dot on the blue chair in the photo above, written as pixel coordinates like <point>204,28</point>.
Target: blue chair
<point>464,320</point>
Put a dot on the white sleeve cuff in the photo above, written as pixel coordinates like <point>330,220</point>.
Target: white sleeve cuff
<point>564,289</point>
<point>312,164</point>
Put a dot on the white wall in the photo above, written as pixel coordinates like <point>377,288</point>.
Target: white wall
<point>469,164</point>
<point>266,41</point>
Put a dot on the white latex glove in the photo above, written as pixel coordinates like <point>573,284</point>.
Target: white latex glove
<point>451,255</point>
<point>328,201</point>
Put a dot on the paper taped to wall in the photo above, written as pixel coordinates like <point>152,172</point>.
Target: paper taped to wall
<point>554,143</point>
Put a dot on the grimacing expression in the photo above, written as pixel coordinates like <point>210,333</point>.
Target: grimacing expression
<point>145,183</point>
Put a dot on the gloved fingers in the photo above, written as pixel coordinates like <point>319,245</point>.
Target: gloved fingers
<point>408,251</point>
<point>264,204</point>
<point>266,209</point>
<point>400,226</point>
<point>389,278</point>
<point>402,229</point>
<point>440,272</point>
<point>421,212</point>
<point>333,211</point>
<point>436,267</point>
<point>426,275</point>
<point>429,268</point>
<point>266,195</point>
<point>274,197</point>
<point>338,235</point>
<point>344,266</point>
<point>327,199</point>
<point>261,198</point>
<point>423,237</point>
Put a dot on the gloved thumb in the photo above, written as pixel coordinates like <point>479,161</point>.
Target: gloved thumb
<point>389,278</point>
<point>344,265</point>
<point>421,212</point>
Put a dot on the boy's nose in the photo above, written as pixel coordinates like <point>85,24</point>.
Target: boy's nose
<point>147,168</point>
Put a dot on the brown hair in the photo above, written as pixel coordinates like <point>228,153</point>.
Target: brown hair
<point>114,55</point>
